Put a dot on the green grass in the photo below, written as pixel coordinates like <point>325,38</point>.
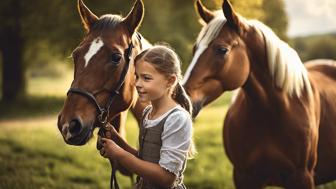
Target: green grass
<point>45,95</point>
<point>46,86</point>
<point>33,154</point>
<point>31,107</point>
<point>210,168</point>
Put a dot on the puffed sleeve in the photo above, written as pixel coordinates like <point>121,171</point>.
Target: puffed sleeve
<point>176,141</point>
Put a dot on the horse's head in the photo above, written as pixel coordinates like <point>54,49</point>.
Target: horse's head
<point>220,61</point>
<point>101,64</point>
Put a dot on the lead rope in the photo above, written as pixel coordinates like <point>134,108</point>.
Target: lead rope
<point>104,132</point>
<point>104,113</point>
<point>113,180</point>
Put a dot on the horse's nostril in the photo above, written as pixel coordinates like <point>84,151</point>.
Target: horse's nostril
<point>75,127</point>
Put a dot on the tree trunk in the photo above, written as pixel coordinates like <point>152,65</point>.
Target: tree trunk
<point>11,46</point>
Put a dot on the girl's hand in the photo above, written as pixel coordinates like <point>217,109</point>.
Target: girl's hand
<point>110,149</point>
<point>114,135</point>
<point>110,133</point>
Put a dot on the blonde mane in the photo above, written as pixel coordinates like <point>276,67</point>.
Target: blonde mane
<point>285,65</point>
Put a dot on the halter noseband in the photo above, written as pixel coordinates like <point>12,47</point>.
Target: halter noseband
<point>103,112</point>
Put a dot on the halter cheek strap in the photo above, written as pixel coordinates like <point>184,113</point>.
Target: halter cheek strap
<point>103,112</point>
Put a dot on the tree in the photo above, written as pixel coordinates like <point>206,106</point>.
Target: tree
<point>276,17</point>
<point>178,22</point>
<point>11,46</point>
<point>26,24</point>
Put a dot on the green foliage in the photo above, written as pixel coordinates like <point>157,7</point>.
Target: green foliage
<point>55,25</point>
<point>276,17</point>
<point>316,46</point>
<point>249,9</point>
<point>52,29</point>
<point>178,22</point>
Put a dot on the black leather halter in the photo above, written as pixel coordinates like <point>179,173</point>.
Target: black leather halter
<point>103,112</point>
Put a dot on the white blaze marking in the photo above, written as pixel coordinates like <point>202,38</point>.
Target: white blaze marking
<point>208,33</point>
<point>198,53</point>
<point>94,48</point>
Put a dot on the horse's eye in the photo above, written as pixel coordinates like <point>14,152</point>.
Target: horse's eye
<point>115,58</point>
<point>222,51</point>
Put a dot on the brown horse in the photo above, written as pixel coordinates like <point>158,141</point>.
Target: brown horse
<point>103,88</point>
<point>280,129</point>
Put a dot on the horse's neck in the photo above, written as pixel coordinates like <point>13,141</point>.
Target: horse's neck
<point>256,88</point>
<point>259,87</point>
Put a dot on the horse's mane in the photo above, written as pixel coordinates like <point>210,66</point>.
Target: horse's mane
<point>286,68</point>
<point>285,65</point>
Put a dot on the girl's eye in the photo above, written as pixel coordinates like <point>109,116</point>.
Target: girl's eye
<point>115,58</point>
<point>147,78</point>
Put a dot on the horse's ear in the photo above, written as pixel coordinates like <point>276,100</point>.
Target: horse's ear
<point>231,16</point>
<point>134,18</point>
<point>87,17</point>
<point>204,13</point>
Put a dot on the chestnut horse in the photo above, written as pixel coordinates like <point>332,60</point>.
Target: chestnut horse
<point>280,129</point>
<point>103,88</point>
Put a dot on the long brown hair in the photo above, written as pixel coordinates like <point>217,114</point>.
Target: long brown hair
<point>166,61</point>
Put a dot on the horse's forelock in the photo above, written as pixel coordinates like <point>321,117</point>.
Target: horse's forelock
<point>107,21</point>
<point>211,30</point>
<point>208,33</point>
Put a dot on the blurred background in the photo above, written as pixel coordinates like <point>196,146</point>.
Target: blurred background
<point>36,39</point>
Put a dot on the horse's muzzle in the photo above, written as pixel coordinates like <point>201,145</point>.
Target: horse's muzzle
<point>75,132</point>
<point>197,106</point>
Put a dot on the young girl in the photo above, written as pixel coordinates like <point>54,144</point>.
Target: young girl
<point>165,139</point>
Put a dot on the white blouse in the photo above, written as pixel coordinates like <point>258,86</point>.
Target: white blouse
<point>176,137</point>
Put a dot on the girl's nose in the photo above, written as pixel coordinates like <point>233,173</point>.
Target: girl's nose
<point>137,83</point>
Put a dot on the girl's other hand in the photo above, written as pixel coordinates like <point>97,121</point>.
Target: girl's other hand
<point>110,149</point>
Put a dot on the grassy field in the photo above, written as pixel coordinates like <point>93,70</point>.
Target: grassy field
<point>33,154</point>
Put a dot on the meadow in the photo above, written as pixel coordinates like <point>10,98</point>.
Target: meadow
<point>33,154</point>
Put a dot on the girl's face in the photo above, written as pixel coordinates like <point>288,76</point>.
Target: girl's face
<point>150,84</point>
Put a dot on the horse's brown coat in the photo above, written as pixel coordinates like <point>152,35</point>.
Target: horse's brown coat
<point>271,137</point>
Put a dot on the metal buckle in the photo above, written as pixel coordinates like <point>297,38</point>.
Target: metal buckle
<point>102,117</point>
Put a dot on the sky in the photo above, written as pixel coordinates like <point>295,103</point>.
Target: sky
<point>310,17</point>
